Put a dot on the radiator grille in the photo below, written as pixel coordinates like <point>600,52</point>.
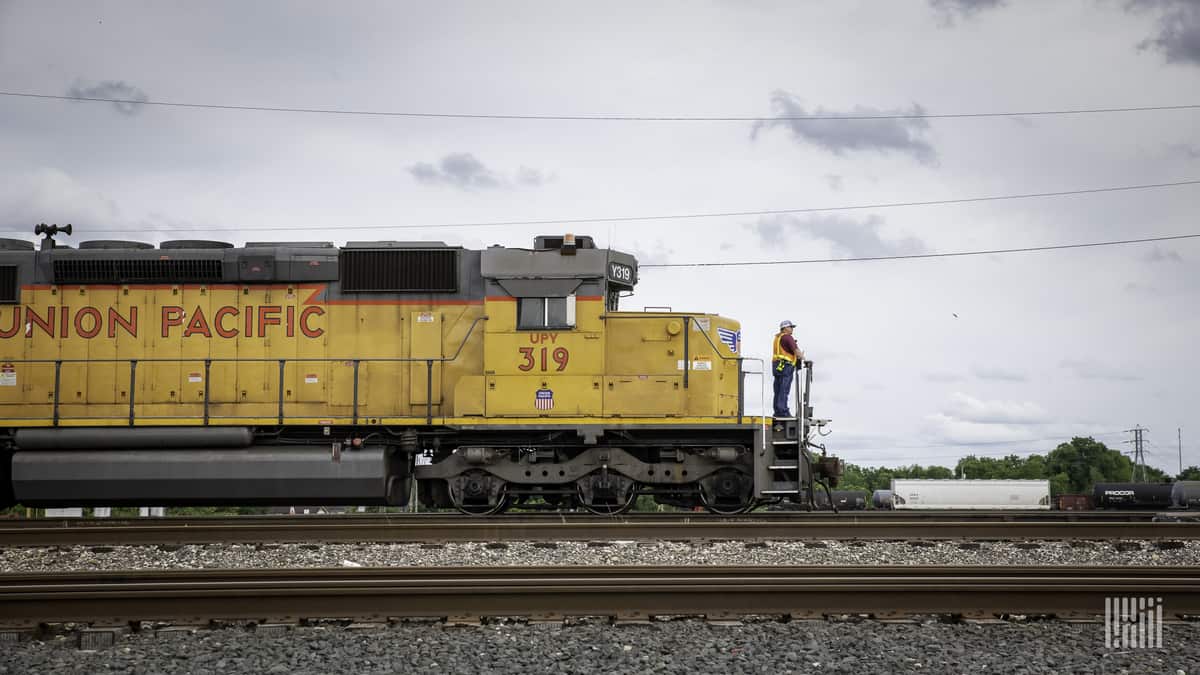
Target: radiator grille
<point>92,271</point>
<point>10,292</point>
<point>406,270</point>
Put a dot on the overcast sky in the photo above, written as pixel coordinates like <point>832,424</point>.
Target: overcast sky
<point>1044,345</point>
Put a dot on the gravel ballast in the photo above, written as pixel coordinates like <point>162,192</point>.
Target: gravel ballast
<point>250,556</point>
<point>686,646</point>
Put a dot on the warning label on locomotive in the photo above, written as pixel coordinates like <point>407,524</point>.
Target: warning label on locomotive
<point>310,378</point>
<point>425,317</point>
<point>8,375</point>
<point>698,364</point>
<point>195,377</point>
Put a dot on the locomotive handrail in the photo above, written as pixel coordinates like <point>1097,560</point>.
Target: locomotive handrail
<point>355,363</point>
<point>209,360</point>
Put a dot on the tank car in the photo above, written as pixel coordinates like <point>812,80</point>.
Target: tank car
<point>1185,494</point>
<point>1132,495</point>
<point>844,500</point>
<point>881,499</point>
<point>305,373</point>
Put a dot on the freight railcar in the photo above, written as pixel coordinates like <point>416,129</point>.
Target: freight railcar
<point>1185,494</point>
<point>1132,495</point>
<point>843,500</point>
<point>911,493</point>
<point>283,373</point>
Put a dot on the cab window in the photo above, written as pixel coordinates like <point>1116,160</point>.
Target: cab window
<point>542,313</point>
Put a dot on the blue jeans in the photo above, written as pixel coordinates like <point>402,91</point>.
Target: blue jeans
<point>783,386</point>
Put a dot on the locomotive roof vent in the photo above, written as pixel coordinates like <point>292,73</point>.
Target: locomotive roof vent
<point>395,244</point>
<point>113,244</point>
<point>15,245</point>
<point>193,244</point>
<point>421,270</point>
<point>555,241</point>
<point>289,244</point>
<point>10,289</point>
<point>81,270</point>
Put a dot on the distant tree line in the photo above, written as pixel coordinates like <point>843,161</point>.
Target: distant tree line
<point>1071,468</point>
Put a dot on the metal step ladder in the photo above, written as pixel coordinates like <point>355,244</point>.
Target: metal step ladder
<point>786,476</point>
<point>786,448</point>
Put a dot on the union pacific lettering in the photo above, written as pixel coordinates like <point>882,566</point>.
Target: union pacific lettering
<point>226,322</point>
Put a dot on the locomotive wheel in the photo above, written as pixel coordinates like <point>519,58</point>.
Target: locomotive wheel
<point>622,501</point>
<point>485,509</point>
<point>728,493</point>
<point>611,509</point>
<point>728,510</point>
<point>477,494</point>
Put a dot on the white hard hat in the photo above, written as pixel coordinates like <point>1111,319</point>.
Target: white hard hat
<point>786,323</point>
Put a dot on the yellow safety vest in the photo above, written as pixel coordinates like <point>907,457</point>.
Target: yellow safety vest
<point>778,353</point>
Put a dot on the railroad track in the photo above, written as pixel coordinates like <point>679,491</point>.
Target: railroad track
<point>553,593</point>
<point>425,528</point>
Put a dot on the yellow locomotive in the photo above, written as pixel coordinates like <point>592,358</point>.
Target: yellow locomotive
<point>282,373</point>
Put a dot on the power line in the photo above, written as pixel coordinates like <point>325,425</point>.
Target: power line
<point>682,216</point>
<point>600,118</point>
<point>1028,249</point>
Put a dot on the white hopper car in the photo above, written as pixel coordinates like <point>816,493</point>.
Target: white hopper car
<point>914,494</point>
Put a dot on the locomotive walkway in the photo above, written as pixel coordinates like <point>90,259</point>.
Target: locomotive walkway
<point>443,528</point>
<point>466,595</point>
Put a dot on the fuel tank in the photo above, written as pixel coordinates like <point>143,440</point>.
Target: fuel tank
<point>258,475</point>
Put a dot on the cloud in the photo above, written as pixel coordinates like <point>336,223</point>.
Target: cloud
<point>51,195</point>
<point>463,170</point>
<point>1178,29</point>
<point>950,10</point>
<point>1092,369</point>
<point>835,182</point>
<point>530,177</point>
<point>1183,150</point>
<point>998,374</point>
<point>849,237</point>
<point>967,420</point>
<point>902,135</point>
<point>657,253</point>
<point>117,89</point>
<point>459,169</point>
<point>1136,288</point>
<point>942,377</point>
<point>1157,255</point>
<point>977,411</point>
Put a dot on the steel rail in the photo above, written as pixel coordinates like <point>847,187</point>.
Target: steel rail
<point>966,515</point>
<point>441,529</point>
<point>459,594</point>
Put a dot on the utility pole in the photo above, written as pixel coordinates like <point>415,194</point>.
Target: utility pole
<point>1179,431</point>
<point>1139,457</point>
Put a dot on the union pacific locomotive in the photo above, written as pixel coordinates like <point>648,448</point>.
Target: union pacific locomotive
<point>197,373</point>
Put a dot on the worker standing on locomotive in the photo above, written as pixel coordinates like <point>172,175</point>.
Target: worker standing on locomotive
<point>785,353</point>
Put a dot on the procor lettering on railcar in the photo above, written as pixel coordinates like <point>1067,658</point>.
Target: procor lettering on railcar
<point>229,321</point>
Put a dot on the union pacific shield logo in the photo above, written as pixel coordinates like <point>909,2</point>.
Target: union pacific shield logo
<point>730,338</point>
<point>544,399</point>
